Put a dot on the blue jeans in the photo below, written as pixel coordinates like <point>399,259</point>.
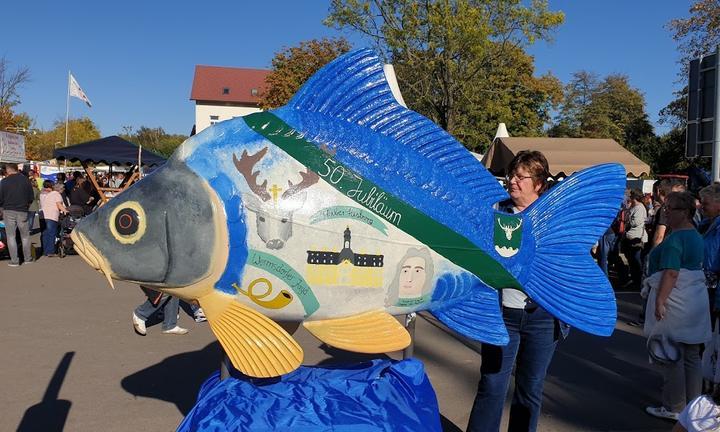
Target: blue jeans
<point>533,338</point>
<point>605,247</point>
<point>31,220</point>
<point>170,305</point>
<point>17,220</point>
<point>48,237</point>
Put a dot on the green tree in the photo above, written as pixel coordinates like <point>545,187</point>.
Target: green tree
<point>577,95</point>
<point>40,146</point>
<point>292,66</point>
<point>462,63</point>
<point>607,108</point>
<point>154,139</point>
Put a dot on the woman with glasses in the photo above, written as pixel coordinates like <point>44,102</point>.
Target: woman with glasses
<point>533,331</point>
<point>678,316</point>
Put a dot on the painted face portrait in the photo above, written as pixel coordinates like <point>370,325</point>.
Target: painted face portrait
<point>412,284</point>
<point>412,278</point>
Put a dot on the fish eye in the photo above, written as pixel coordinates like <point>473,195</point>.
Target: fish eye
<point>262,219</point>
<point>128,222</point>
<point>284,220</point>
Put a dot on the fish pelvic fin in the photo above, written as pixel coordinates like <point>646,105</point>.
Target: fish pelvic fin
<point>474,311</point>
<point>256,345</point>
<point>370,332</point>
<point>566,222</point>
<point>355,89</point>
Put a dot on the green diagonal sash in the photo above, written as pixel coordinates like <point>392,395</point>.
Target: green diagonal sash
<point>394,210</point>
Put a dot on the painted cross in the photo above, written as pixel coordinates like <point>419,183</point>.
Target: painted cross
<point>274,190</point>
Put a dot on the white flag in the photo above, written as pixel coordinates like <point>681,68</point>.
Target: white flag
<point>77,92</point>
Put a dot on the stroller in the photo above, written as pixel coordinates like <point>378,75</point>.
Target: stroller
<point>67,224</point>
<point>3,241</point>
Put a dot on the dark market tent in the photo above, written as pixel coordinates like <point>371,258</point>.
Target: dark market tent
<point>564,155</point>
<point>111,150</point>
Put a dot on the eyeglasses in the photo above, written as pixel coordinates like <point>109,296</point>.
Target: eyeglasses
<point>517,178</point>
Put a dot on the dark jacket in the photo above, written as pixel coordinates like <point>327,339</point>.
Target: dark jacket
<point>16,193</point>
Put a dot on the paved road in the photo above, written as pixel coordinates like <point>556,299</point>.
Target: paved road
<point>70,361</point>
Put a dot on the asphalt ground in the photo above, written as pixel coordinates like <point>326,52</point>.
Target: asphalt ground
<point>70,361</point>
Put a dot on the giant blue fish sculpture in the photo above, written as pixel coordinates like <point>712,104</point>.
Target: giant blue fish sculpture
<point>340,210</point>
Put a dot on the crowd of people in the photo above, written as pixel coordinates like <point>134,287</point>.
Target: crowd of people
<point>25,197</point>
<point>670,241</point>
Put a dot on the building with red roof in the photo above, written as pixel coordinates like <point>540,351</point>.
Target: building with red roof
<point>222,93</point>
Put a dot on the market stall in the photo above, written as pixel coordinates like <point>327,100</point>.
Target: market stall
<point>112,151</point>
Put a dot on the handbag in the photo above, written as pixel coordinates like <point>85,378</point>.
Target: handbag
<point>709,364</point>
<point>663,350</point>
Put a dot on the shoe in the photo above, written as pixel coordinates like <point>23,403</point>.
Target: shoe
<point>29,262</point>
<point>177,330</point>
<point>637,323</point>
<point>51,255</point>
<point>661,412</point>
<point>139,325</point>
<point>12,264</point>
<point>199,316</point>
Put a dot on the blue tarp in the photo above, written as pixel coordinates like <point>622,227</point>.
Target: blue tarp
<point>381,395</point>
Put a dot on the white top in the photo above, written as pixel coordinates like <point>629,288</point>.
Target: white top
<point>687,314</point>
<point>511,297</point>
<point>701,415</point>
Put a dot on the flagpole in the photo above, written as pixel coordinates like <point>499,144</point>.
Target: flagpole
<point>67,110</point>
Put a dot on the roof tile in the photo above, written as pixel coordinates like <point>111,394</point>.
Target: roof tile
<point>209,82</point>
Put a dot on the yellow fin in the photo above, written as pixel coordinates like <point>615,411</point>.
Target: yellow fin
<point>370,332</point>
<point>255,344</point>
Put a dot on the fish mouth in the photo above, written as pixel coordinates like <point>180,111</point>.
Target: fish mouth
<point>91,255</point>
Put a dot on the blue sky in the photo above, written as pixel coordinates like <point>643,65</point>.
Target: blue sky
<point>135,59</point>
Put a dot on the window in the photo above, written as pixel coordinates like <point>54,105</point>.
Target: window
<point>226,90</point>
<point>214,119</point>
<point>254,92</point>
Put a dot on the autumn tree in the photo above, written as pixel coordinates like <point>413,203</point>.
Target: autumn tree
<point>696,35</point>
<point>40,146</point>
<point>292,66</point>
<point>462,63</point>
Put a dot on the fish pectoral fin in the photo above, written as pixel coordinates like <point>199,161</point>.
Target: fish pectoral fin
<point>255,344</point>
<point>370,332</point>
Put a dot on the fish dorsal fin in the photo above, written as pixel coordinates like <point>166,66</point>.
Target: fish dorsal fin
<point>354,88</point>
<point>370,332</point>
<point>256,345</point>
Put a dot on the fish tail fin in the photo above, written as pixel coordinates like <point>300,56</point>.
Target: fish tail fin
<point>474,310</point>
<point>566,221</point>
